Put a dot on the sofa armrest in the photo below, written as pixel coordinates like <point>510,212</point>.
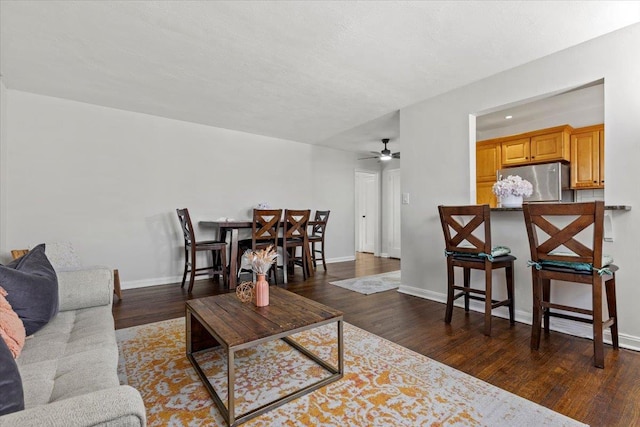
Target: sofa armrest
<point>88,287</point>
<point>120,406</point>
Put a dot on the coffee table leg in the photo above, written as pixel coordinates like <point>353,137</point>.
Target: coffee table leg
<point>340,348</point>
<point>231,379</point>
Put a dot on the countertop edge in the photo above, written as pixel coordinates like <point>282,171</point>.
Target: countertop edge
<point>607,208</point>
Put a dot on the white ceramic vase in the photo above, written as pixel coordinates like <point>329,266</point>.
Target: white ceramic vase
<point>511,201</point>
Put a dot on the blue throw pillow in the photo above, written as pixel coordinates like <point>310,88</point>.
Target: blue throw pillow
<point>32,285</point>
<point>11,393</point>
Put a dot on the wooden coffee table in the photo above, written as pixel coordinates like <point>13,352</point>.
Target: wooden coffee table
<point>224,321</point>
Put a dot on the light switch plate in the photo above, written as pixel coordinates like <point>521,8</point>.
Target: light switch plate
<point>405,198</point>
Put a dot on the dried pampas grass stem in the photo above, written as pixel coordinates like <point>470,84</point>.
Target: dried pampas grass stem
<point>261,259</point>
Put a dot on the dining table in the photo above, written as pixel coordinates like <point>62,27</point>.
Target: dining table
<point>233,228</point>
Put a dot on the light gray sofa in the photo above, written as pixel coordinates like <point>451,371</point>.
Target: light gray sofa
<point>69,367</point>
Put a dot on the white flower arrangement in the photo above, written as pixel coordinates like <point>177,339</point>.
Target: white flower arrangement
<point>512,185</point>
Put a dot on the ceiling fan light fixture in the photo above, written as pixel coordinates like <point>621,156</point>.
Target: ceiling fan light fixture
<point>385,155</point>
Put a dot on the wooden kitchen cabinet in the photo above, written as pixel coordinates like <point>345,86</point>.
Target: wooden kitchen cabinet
<point>551,147</point>
<point>516,152</point>
<point>587,157</point>
<point>487,160</point>
<point>541,146</point>
<point>487,164</point>
<point>484,194</point>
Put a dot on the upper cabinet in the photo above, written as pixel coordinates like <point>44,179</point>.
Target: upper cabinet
<point>541,146</point>
<point>516,151</point>
<point>587,157</point>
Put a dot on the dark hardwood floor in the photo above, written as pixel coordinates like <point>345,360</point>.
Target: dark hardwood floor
<point>560,376</point>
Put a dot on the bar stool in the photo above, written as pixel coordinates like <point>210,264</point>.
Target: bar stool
<point>295,236</point>
<point>465,250</point>
<point>264,233</point>
<point>318,230</point>
<point>561,257</point>
<point>191,247</point>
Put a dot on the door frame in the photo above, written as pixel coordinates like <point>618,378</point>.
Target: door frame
<point>377,203</point>
<point>390,202</point>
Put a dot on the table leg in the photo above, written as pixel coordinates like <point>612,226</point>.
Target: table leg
<point>233,262</point>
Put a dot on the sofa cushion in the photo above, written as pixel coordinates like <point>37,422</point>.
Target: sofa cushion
<point>32,287</point>
<point>11,327</point>
<point>75,353</point>
<point>11,395</point>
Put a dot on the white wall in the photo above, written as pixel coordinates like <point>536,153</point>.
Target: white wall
<point>3,133</point>
<point>437,157</point>
<point>110,180</point>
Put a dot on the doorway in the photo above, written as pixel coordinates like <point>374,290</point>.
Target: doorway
<point>367,211</point>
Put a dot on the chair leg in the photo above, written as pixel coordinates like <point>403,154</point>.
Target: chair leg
<point>466,273</point>
<point>598,345</point>
<point>186,266</point>
<point>285,264</point>
<point>610,286</point>
<point>487,301</point>
<point>313,254</point>
<point>307,254</point>
<point>306,267</point>
<point>546,297</point>
<point>193,271</point>
<point>303,264</point>
<point>449,311</point>
<point>215,265</point>
<point>510,283</point>
<point>536,323</point>
<point>324,261</point>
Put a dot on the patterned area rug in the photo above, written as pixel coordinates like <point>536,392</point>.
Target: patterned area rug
<point>384,384</point>
<point>371,284</point>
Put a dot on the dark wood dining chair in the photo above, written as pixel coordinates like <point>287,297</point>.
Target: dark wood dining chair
<point>465,249</point>
<point>264,233</point>
<point>218,251</point>
<point>318,230</point>
<point>295,236</point>
<point>558,256</point>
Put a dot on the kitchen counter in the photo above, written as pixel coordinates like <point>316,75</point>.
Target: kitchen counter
<point>607,208</point>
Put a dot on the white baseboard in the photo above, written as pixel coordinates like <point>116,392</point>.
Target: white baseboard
<point>143,283</point>
<point>565,326</point>
<point>384,255</point>
<point>340,259</point>
<point>134,284</point>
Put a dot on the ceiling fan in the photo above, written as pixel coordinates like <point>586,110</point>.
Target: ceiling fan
<point>385,154</point>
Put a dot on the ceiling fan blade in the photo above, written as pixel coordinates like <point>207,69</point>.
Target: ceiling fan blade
<point>396,155</point>
<point>365,158</point>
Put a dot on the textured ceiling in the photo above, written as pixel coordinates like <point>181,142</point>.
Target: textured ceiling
<point>330,73</point>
